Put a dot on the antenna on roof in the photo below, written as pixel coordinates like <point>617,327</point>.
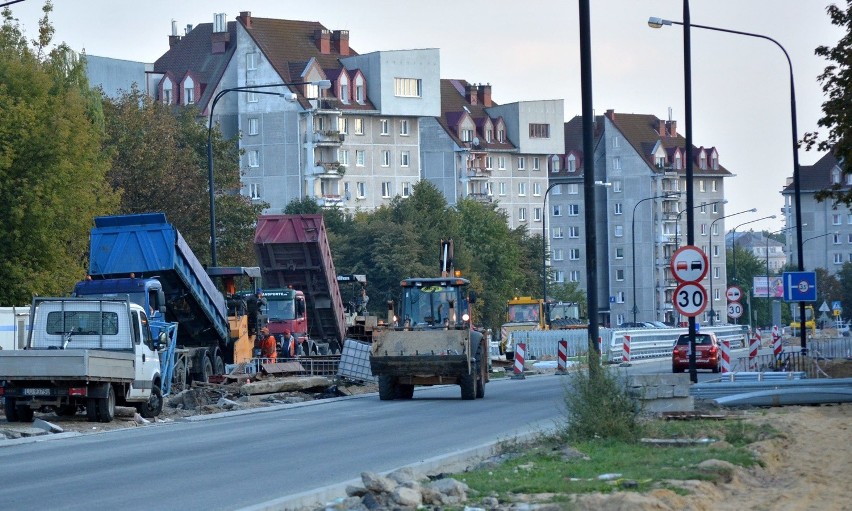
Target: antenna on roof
<point>670,114</point>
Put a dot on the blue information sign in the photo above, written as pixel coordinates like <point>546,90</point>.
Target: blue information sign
<point>800,286</point>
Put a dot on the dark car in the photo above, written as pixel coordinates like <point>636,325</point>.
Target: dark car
<point>633,325</point>
<point>706,353</point>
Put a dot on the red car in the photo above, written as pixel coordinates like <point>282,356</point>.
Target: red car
<point>707,354</point>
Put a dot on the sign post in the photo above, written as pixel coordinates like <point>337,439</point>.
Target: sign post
<point>689,266</point>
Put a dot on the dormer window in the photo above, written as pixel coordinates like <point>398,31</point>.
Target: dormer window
<point>360,93</point>
<point>714,161</point>
<point>466,135</point>
<point>572,163</point>
<point>702,161</point>
<point>501,135</point>
<point>678,164</point>
<point>661,162</point>
<point>849,179</point>
<point>311,91</point>
<point>344,90</point>
<point>488,136</point>
<point>167,92</point>
<point>188,91</point>
<point>835,176</point>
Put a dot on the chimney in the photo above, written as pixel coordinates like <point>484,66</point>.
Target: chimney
<point>188,29</point>
<point>485,95</point>
<point>671,128</point>
<point>220,37</point>
<point>610,114</point>
<point>322,38</point>
<point>173,40</point>
<point>662,128</point>
<point>340,41</point>
<point>470,94</point>
<point>245,17</point>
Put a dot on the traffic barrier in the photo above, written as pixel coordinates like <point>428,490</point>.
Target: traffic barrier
<point>754,347</point>
<point>520,352</point>
<point>625,353</point>
<point>777,348</point>
<point>759,338</point>
<point>562,360</point>
<point>726,356</point>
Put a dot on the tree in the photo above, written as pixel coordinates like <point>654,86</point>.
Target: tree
<point>836,82</point>
<point>52,169</point>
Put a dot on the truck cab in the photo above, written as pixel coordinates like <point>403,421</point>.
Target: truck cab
<point>433,303</point>
<point>286,310</point>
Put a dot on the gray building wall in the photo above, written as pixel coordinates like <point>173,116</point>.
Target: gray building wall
<point>116,75</point>
<point>438,158</point>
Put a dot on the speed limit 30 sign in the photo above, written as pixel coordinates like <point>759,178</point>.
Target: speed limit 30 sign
<point>690,299</point>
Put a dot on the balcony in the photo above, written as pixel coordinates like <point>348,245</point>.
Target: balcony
<point>328,138</point>
<point>478,173</point>
<point>670,215</point>
<point>330,170</point>
<point>481,197</point>
<point>329,200</point>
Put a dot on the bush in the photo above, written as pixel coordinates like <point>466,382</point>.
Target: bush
<point>598,406</point>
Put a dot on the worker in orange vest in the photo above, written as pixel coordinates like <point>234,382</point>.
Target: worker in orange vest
<point>267,344</point>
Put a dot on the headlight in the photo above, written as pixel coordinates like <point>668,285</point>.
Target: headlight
<point>466,317</point>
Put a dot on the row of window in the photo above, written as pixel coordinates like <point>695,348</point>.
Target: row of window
<point>360,158</point>
<point>837,219</point>
<point>388,190</point>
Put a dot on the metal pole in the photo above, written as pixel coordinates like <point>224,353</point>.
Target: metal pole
<point>633,245</point>
<point>690,214</point>
<point>710,257</point>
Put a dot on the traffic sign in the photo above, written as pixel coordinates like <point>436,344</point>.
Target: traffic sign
<point>734,294</point>
<point>735,310</point>
<point>690,299</point>
<point>689,264</point>
<point>835,306</point>
<point>800,286</point>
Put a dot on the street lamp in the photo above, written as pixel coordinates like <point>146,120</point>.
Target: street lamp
<point>677,218</point>
<point>710,276</point>
<point>797,195</point>
<point>633,241</point>
<point>819,236</point>
<point>734,242</point>
<point>257,89</point>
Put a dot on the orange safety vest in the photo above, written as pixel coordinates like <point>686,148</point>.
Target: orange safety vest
<point>267,347</point>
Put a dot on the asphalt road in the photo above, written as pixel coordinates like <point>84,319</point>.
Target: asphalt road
<point>241,461</point>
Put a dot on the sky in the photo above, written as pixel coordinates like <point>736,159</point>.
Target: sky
<point>530,50</point>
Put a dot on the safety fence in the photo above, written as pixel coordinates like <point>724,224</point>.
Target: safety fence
<point>830,348</point>
<point>325,365</point>
<point>647,343</point>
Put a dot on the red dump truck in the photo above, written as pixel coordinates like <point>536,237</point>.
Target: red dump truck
<point>300,282</point>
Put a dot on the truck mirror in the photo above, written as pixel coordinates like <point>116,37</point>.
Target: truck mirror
<point>471,296</point>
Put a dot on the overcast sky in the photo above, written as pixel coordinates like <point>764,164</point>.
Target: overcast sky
<point>530,50</point>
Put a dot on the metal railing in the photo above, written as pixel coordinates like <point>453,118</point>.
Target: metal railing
<point>300,366</point>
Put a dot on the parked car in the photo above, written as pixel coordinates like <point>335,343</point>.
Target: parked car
<point>707,354</point>
<point>633,325</point>
<point>658,324</point>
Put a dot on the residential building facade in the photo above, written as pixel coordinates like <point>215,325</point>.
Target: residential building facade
<point>826,226</point>
<point>641,161</point>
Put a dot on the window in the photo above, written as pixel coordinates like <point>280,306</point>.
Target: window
<point>522,189</point>
<point>343,125</point>
<point>359,158</point>
<point>539,130</point>
<point>617,208</point>
<point>167,92</point>
<point>219,22</point>
<point>701,187</point>
<point>619,275</point>
<point>556,164</point>
<point>616,186</point>
<point>343,90</point>
<point>466,135</point>
<point>253,157</point>
<point>522,214</point>
<point>713,185</point>
<point>188,91</point>
<point>557,233</point>
<point>384,126</point>
<point>361,188</point>
<point>849,179</point>
<point>575,276</point>
<point>704,229</point>
<point>677,161</point>
<point>838,258</point>
<point>620,297</point>
<point>573,189</point>
<point>359,125</point>
<point>502,188</point>
<point>572,163</point>
<point>661,162</point>
<point>559,277</point>
<point>407,87</point>
<point>489,162</point>
<point>836,219</point>
<point>386,189</point>
<point>703,208</point>
<point>714,230</point>
<point>343,156</point>
<point>714,162</point>
<point>849,238</point>
<point>521,163</point>
<point>251,96</point>
<point>253,126</point>
<point>537,189</point>
<point>615,141</point>
<point>557,210</point>
<point>618,231</point>
<point>251,61</point>
<point>619,253</point>
<point>536,163</point>
<point>403,127</point>
<point>404,158</point>
<point>254,191</point>
<point>501,162</point>
<point>556,190</point>
<point>557,254</point>
<point>573,231</point>
<point>386,159</point>
<point>574,254</point>
<point>312,91</point>
<point>849,217</point>
<point>573,209</point>
<point>837,239</point>
<point>501,135</point>
<point>702,162</point>
<point>715,208</point>
<point>616,163</point>
<point>359,92</point>
<point>406,189</point>
<point>715,273</point>
<point>536,214</point>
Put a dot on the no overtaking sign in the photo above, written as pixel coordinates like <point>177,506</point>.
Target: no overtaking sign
<point>689,264</point>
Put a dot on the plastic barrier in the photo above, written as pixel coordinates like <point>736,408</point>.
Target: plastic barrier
<point>625,353</point>
<point>520,352</point>
<point>754,347</point>
<point>562,360</point>
<point>777,348</point>
<point>726,356</point>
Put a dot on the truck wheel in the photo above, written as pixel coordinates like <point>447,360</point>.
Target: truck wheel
<point>25,413</point>
<point>154,405</point>
<point>106,406</point>
<point>92,410</point>
<point>68,410</point>
<point>219,365</point>
<point>406,391</point>
<point>206,371</point>
<point>11,410</point>
<point>467,382</point>
<point>179,376</point>
<point>387,387</point>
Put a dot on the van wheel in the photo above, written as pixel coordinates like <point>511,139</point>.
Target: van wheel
<point>11,410</point>
<point>387,387</point>
<point>106,406</point>
<point>154,405</point>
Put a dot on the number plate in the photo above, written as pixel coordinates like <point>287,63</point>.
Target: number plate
<point>36,392</point>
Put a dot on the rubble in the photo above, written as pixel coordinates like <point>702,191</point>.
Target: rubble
<point>402,489</point>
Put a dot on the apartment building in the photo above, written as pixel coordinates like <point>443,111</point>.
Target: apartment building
<point>315,118</point>
<point>640,161</point>
<point>826,226</point>
<point>493,153</point>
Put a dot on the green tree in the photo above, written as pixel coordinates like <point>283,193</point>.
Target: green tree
<point>836,82</point>
<point>52,168</point>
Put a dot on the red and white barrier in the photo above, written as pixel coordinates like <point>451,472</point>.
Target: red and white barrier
<point>625,351</point>
<point>776,341</point>
<point>520,352</point>
<point>758,336</point>
<point>754,347</point>
<point>562,361</point>
<point>726,356</point>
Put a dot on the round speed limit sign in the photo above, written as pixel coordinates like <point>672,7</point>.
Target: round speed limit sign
<point>735,310</point>
<point>690,299</point>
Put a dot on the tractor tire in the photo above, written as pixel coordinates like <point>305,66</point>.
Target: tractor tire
<point>480,383</point>
<point>11,410</point>
<point>467,382</point>
<point>154,405</point>
<point>387,387</point>
<point>405,391</point>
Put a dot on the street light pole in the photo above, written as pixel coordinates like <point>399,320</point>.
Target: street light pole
<point>710,256</point>
<point>819,236</point>
<point>734,242</point>
<point>797,192</point>
<point>767,265</point>
<point>321,84</point>
<point>633,243</point>
<point>677,219</point>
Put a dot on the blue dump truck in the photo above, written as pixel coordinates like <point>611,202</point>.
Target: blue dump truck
<point>144,257</point>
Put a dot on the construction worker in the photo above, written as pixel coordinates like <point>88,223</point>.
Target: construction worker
<point>288,345</point>
<point>267,344</point>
